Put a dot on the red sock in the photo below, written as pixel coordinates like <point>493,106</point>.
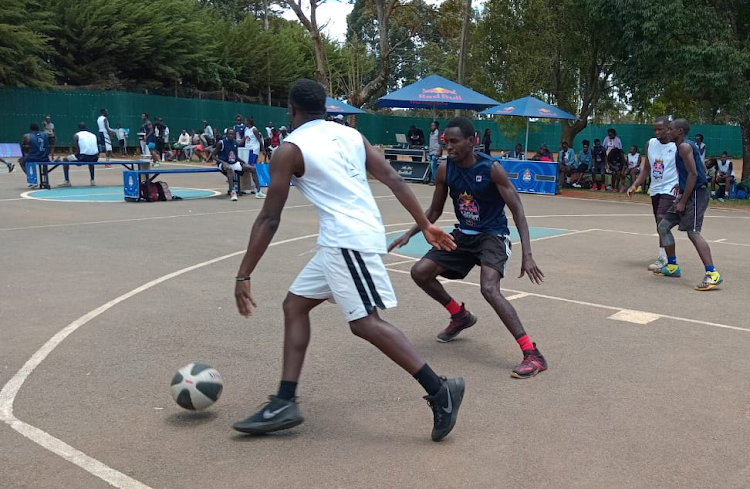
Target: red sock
<point>453,307</point>
<point>525,343</point>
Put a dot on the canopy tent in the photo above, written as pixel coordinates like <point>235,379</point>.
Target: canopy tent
<point>334,106</point>
<point>529,107</point>
<point>436,92</point>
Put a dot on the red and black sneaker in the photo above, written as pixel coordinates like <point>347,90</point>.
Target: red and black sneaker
<point>533,363</point>
<point>460,321</point>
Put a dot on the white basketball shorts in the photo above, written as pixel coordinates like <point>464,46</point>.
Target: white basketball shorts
<point>357,282</point>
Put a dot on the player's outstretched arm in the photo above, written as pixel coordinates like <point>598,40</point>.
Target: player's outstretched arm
<point>286,161</point>
<point>513,201</point>
<point>379,167</point>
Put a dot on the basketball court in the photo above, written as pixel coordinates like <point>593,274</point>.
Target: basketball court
<point>103,301</point>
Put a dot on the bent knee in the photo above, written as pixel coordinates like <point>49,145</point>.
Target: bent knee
<point>421,273</point>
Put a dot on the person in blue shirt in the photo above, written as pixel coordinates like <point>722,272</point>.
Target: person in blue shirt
<point>35,147</point>
<point>584,162</point>
<point>689,207</point>
<point>239,128</point>
<point>566,162</point>
<point>480,189</point>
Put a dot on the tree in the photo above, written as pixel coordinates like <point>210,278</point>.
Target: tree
<point>24,27</point>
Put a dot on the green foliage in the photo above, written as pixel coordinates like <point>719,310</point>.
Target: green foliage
<point>24,27</point>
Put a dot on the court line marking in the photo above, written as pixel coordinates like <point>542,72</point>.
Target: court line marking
<point>45,440</point>
<point>26,195</point>
<point>593,304</point>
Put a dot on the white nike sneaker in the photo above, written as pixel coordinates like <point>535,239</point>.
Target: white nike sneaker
<point>660,263</point>
<point>277,414</point>
<point>234,196</point>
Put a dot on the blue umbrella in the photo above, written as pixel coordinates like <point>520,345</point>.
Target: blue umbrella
<point>436,92</point>
<point>334,106</point>
<point>529,107</point>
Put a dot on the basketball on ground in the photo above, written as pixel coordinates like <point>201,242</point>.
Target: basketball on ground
<point>196,386</point>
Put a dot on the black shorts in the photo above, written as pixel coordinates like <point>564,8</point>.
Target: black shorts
<point>661,203</point>
<point>51,140</point>
<point>471,250</point>
<point>159,145</point>
<point>692,219</point>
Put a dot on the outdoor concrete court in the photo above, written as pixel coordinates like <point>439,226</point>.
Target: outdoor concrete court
<point>647,386</point>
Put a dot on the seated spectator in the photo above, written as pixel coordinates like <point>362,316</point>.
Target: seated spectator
<point>543,154</point>
<point>612,141</point>
<point>35,147</point>
<point>284,134</point>
<point>566,163</point>
<point>183,140</point>
<point>711,173</point>
<point>275,139</point>
<point>599,165</point>
<point>584,162</point>
<point>615,165</point>
<point>633,168</point>
<point>724,176</point>
<point>415,136</point>
<point>86,145</point>
<point>517,154</point>
<point>229,162</point>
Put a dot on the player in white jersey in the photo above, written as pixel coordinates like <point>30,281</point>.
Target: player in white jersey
<point>328,163</point>
<point>104,133</point>
<point>660,166</point>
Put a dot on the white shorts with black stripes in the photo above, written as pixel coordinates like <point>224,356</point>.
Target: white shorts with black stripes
<point>357,282</point>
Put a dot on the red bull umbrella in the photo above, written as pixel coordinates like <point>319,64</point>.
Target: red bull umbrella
<point>436,92</point>
<point>529,107</point>
<point>334,107</point>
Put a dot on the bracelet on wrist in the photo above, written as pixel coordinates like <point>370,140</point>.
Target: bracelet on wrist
<point>242,279</point>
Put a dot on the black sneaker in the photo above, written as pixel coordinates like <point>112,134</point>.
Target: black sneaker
<point>11,167</point>
<point>460,321</point>
<point>445,406</point>
<point>275,415</point>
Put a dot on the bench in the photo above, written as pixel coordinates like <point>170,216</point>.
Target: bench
<point>46,167</point>
<point>133,179</point>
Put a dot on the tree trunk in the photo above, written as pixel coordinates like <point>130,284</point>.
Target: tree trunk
<point>462,55</point>
<point>745,128</point>
<point>312,27</point>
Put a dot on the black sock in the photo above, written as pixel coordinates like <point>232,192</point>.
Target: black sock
<point>287,390</point>
<point>428,379</point>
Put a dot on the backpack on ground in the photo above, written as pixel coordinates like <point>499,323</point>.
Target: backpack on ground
<point>157,191</point>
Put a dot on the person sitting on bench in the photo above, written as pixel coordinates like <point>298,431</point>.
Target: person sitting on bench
<point>87,149</point>
<point>34,146</point>
<point>229,162</point>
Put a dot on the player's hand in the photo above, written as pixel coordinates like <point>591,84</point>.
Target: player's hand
<point>676,190</point>
<point>439,238</point>
<point>245,301</point>
<point>528,267</point>
<point>402,240</point>
<point>630,192</point>
<point>679,207</point>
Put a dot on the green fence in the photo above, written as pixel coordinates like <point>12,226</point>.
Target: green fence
<point>67,107</point>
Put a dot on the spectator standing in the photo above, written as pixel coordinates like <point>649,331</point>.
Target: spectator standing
<point>487,141</point>
<point>269,129</point>
<point>701,148</point>
<point>143,135</point>
<point>122,139</point>
<point>435,149</point>
<point>87,149</point>
<point>253,140</point>
<point>239,128</point>
<point>612,141</point>
<point>157,153</point>
<point>584,162</point>
<point>599,162</point>
<point>208,133</point>
<point>49,130</point>
<point>104,134</point>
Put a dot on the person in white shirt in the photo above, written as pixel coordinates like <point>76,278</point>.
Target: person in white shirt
<point>347,268</point>
<point>634,165</point>
<point>724,176</point>
<point>122,138</point>
<point>253,139</point>
<point>87,149</point>
<point>660,165</point>
<point>104,132</point>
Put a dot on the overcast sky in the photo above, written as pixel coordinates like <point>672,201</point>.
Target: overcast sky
<point>332,13</point>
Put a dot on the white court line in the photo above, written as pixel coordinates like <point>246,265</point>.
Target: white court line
<point>598,306</point>
<point>13,386</point>
<point>679,238</point>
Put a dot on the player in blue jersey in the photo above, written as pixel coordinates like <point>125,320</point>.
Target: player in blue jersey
<point>689,207</point>
<point>480,190</point>
<point>34,146</point>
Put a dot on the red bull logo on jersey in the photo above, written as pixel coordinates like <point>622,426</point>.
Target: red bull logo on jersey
<point>439,93</point>
<point>468,208</point>
<point>526,177</point>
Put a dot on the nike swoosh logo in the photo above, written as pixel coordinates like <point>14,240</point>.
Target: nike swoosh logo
<point>449,408</point>
<point>270,414</point>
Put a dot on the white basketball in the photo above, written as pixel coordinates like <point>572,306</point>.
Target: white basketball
<point>196,386</point>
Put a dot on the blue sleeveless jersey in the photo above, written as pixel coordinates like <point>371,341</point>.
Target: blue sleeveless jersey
<point>228,151</point>
<point>699,168</point>
<point>479,206</point>
<point>38,148</point>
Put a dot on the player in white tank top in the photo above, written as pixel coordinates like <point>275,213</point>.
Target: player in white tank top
<point>329,165</point>
<point>660,166</point>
